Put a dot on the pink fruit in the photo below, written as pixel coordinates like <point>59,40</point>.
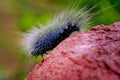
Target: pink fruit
<point>91,55</point>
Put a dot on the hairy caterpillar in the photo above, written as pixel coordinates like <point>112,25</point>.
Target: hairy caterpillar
<point>39,40</point>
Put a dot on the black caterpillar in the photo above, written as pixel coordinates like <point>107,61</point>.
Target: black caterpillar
<point>52,39</point>
<point>40,40</point>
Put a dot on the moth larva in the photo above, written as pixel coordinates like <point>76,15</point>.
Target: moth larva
<point>39,40</point>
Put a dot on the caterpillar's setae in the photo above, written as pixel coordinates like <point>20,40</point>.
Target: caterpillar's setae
<point>39,40</point>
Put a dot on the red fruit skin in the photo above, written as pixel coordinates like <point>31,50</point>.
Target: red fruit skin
<point>91,55</point>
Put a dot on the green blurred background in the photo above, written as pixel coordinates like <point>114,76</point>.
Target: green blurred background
<point>18,16</point>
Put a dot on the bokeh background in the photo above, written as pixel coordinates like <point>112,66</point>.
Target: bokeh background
<point>17,16</point>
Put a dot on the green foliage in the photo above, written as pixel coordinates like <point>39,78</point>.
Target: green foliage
<point>20,76</point>
<point>26,21</point>
<point>44,18</point>
<point>2,76</point>
<point>109,13</point>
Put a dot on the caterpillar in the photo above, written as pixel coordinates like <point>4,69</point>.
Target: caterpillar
<point>39,40</point>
